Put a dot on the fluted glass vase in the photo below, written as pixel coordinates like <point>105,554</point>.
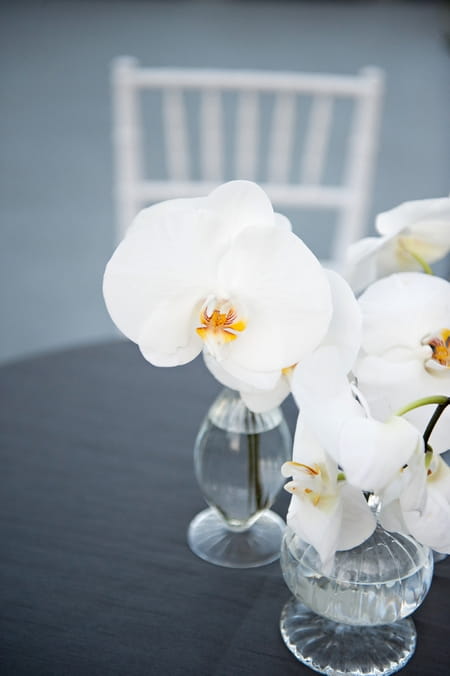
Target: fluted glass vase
<point>354,619</point>
<point>237,456</point>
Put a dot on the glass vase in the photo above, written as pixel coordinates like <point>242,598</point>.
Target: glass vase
<point>237,456</point>
<point>354,619</point>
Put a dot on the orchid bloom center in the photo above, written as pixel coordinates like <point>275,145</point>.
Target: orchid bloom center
<point>220,323</point>
<point>311,471</point>
<point>440,346</point>
<point>309,481</point>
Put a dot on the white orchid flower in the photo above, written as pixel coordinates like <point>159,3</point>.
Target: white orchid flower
<point>422,506</point>
<point>324,511</point>
<point>413,235</point>
<point>221,273</point>
<point>344,333</point>
<point>370,451</point>
<point>406,348</point>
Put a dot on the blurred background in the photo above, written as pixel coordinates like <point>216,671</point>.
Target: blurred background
<point>56,194</point>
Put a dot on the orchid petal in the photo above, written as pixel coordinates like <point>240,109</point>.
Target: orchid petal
<point>273,386</point>
<point>241,204</point>
<point>361,267</point>
<point>315,526</point>
<point>392,519</point>
<point>408,484</point>
<point>138,276</point>
<point>168,337</point>
<point>420,215</point>
<point>402,309</point>
<point>372,452</point>
<point>358,521</point>
<point>307,449</point>
<point>260,401</point>
<point>432,525</point>
<point>162,211</point>
<point>345,328</point>
<point>405,492</point>
<point>324,396</point>
<point>282,221</point>
<point>273,271</point>
<point>238,378</point>
<point>388,386</point>
<point>316,521</point>
<point>320,374</point>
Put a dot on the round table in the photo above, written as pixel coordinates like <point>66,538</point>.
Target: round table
<point>97,492</point>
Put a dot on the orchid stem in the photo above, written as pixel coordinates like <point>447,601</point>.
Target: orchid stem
<point>426,268</point>
<point>439,399</point>
<point>434,418</point>
<point>422,262</point>
<point>254,479</point>
<point>442,403</point>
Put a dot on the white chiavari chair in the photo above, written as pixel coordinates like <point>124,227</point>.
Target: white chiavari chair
<point>224,151</point>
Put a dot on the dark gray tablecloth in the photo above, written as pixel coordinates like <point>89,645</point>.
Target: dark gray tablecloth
<point>97,493</point>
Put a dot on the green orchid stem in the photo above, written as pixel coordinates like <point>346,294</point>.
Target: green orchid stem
<point>422,262</point>
<point>442,403</point>
<point>433,420</point>
<point>439,399</point>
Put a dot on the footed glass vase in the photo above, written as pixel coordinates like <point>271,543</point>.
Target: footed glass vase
<point>238,456</point>
<point>354,619</point>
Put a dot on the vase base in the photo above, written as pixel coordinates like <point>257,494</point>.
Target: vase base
<point>211,540</point>
<point>340,649</point>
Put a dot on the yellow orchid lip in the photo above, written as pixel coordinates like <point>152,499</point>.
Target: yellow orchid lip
<point>440,346</point>
<point>221,324</point>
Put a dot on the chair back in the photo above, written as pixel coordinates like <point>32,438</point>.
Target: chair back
<point>209,126</point>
